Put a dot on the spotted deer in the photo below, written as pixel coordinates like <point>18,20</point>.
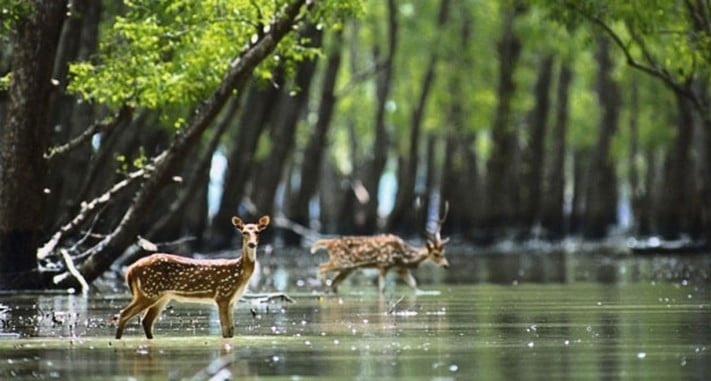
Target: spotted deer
<point>159,278</point>
<point>383,252</point>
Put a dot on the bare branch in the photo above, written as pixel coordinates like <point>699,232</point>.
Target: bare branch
<point>359,77</point>
<point>69,263</point>
<point>102,126</point>
<point>86,211</point>
<point>103,253</point>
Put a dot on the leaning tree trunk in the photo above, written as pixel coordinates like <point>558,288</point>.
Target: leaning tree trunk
<point>241,161</point>
<point>313,155</point>
<point>289,110</point>
<point>79,41</point>
<point>188,211</point>
<point>705,181</point>
<point>601,191</point>
<point>636,190</point>
<point>24,141</point>
<point>380,145</point>
<point>501,188</point>
<point>402,217</point>
<point>553,216</point>
<point>103,253</point>
<point>534,155</point>
<point>460,184</point>
<point>676,204</point>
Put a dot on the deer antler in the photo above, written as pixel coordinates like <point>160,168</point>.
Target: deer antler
<point>440,222</point>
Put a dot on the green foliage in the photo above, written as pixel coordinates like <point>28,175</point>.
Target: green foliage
<point>173,53</point>
<point>12,11</point>
<point>126,165</point>
<point>165,52</point>
<point>664,36</point>
<point>5,81</point>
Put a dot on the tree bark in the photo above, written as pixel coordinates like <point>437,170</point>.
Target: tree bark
<point>24,141</point>
<point>501,183</point>
<point>402,217</point>
<point>188,211</point>
<point>79,40</point>
<point>553,217</point>
<point>676,205</point>
<point>381,141</point>
<point>313,155</point>
<point>601,192</point>
<point>101,255</point>
<point>290,108</point>
<point>534,154</point>
<point>241,161</point>
<point>461,183</point>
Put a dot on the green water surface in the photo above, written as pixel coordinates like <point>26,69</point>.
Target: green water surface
<point>647,319</point>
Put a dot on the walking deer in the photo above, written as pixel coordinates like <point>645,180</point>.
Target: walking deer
<point>159,278</point>
<point>383,252</point>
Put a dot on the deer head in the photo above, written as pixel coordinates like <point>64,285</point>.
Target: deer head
<point>250,234</point>
<point>435,243</point>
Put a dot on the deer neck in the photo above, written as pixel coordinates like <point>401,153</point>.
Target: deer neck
<point>249,254</point>
<point>412,256</point>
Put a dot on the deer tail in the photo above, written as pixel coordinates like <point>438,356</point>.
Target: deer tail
<point>133,281</point>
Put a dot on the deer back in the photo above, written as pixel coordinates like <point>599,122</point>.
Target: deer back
<point>165,274</point>
<point>365,251</point>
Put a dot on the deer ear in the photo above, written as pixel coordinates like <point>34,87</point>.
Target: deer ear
<point>263,222</point>
<point>237,222</point>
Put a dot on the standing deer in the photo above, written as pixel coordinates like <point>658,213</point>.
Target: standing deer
<point>157,279</point>
<point>382,252</point>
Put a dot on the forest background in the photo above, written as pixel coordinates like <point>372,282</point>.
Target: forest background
<point>153,121</point>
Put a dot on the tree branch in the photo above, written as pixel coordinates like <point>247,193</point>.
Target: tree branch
<point>102,126</point>
<point>652,69</point>
<point>86,211</point>
<point>105,252</point>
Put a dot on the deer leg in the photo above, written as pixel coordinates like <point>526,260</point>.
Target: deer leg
<point>339,278</point>
<point>137,305</point>
<point>381,279</point>
<point>151,315</point>
<point>226,321</point>
<point>406,275</point>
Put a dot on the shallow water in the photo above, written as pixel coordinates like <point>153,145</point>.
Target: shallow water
<point>512,316</point>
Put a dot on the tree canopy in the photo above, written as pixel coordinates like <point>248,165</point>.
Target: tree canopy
<point>533,119</point>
